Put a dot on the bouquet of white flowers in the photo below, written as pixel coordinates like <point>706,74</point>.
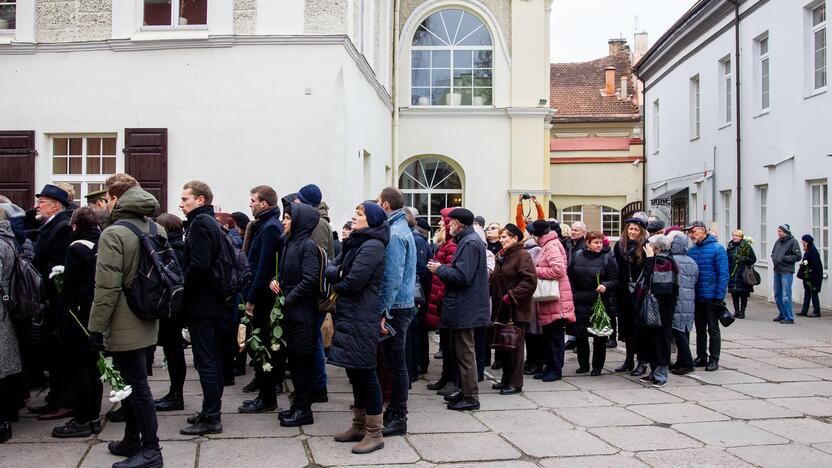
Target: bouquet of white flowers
<point>599,321</point>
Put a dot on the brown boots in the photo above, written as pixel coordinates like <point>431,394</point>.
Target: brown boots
<point>366,429</point>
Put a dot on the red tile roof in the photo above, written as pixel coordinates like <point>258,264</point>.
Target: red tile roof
<point>577,90</point>
<point>590,144</point>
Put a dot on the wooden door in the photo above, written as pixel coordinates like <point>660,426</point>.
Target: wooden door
<point>17,167</point>
<point>146,159</point>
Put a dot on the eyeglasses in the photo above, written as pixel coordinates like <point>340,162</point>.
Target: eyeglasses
<point>491,228</point>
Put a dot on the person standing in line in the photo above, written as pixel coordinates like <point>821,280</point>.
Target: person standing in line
<point>12,380</point>
<point>114,327</point>
<point>421,234</point>
<point>711,286</point>
<point>685,302</point>
<point>397,307</point>
<point>492,238</point>
<point>629,258</point>
<point>535,354</point>
<point>577,238</point>
<point>203,305</point>
<point>445,250</point>
<point>661,272</point>
<point>465,306</point>
<point>784,255</point>
<point>811,272</point>
<point>740,257</point>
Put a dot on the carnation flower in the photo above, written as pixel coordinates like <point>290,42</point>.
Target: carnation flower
<point>275,347</point>
<point>267,367</point>
<point>56,270</point>
<point>119,395</point>
<point>749,239</point>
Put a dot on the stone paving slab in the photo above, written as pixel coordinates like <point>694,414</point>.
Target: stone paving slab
<point>522,421</point>
<point>252,453</point>
<point>637,438</point>
<point>693,458</point>
<point>724,377</point>
<point>532,385</point>
<point>599,461</point>
<point>602,416</point>
<point>813,406</point>
<point>493,401</point>
<point>574,399</point>
<point>752,352</point>
<point>175,455</point>
<point>805,431</point>
<point>461,447</point>
<point>499,464</point>
<point>792,363</point>
<point>454,421</point>
<point>564,443</point>
<point>637,396</point>
<point>824,373</point>
<point>674,413</point>
<point>750,409</point>
<point>778,375</point>
<point>729,434</point>
<point>772,390</point>
<point>704,393</point>
<point>41,455</point>
<point>783,456</point>
<point>254,425</point>
<point>327,452</point>
<point>602,382</point>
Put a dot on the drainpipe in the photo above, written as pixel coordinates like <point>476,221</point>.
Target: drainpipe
<point>395,91</point>
<point>736,4</point>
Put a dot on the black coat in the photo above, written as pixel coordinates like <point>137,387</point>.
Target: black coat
<point>736,280</point>
<point>203,240</point>
<point>266,241</point>
<point>299,276</point>
<point>466,303</point>
<point>176,239</point>
<point>356,275</point>
<point>630,268</point>
<point>423,254</point>
<point>815,276</point>
<point>582,270</point>
<point>78,290</point>
<point>53,240</point>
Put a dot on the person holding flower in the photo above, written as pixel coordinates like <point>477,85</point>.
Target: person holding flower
<point>811,272</point>
<point>740,257</point>
<point>592,271</point>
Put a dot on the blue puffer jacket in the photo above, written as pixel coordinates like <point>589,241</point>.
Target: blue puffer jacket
<point>712,261</point>
<point>400,270</point>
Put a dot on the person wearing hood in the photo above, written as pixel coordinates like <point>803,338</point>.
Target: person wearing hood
<point>685,302</point>
<point>711,285</point>
<point>589,267</point>
<point>114,327</point>
<point>811,272</point>
<point>512,285</point>
<point>465,306</point>
<point>203,305</point>
<point>554,316</point>
<point>12,381</point>
<point>16,217</point>
<point>784,255</point>
<point>76,298</point>
<point>299,267</point>
<point>740,257</point>
<point>356,276</point>
<point>629,258</point>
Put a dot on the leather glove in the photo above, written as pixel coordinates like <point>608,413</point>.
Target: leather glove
<point>96,342</point>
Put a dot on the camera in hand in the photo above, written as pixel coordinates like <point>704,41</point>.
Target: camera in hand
<point>526,196</point>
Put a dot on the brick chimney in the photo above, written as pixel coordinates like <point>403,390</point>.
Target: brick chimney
<point>609,88</point>
<point>618,45</point>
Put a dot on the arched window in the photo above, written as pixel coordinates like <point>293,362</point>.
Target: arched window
<point>430,184</point>
<point>451,62</point>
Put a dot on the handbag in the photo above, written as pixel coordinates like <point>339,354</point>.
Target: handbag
<point>751,277</point>
<point>418,292</point>
<point>725,317</point>
<point>503,336</point>
<point>546,291</point>
<point>648,313</point>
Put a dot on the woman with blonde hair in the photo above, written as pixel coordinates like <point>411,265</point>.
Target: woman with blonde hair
<point>740,257</point>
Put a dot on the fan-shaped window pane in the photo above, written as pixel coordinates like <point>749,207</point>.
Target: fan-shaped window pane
<point>430,184</point>
<point>456,46</point>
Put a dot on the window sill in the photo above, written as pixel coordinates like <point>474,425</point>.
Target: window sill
<point>167,34</point>
<point>761,264</point>
<point>725,125</point>
<point>762,113</point>
<point>7,36</point>
<point>814,93</point>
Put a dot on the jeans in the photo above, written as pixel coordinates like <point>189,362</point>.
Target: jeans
<point>553,340</point>
<point>366,390</point>
<point>394,359</point>
<point>810,295</point>
<point>139,409</point>
<point>87,386</point>
<point>783,294</point>
<point>206,334</point>
<point>170,338</point>
<point>319,378</point>
<point>707,328</point>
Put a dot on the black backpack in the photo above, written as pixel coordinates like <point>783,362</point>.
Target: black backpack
<point>156,292</point>
<point>26,298</point>
<point>232,272</point>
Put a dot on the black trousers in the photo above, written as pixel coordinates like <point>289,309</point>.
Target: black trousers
<point>599,351</point>
<point>535,350</point>
<point>424,345</point>
<point>366,390</point>
<point>139,409</point>
<point>449,369</point>
<point>740,301</point>
<point>412,348</point>
<point>554,347</point>
<point>86,385</point>
<point>708,337</point>
<point>513,360</point>
<point>684,359</point>
<point>659,339</point>
<point>267,381</point>
<point>482,350</point>
<point>303,378</point>
<point>228,346</point>
<point>810,295</point>
<point>170,338</point>
<point>206,334</point>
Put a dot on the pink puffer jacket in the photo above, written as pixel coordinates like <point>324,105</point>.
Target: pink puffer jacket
<point>551,265</point>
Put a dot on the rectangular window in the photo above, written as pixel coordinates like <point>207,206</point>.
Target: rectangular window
<point>85,162</point>
<point>695,115</point>
<point>8,14</point>
<point>572,214</point>
<point>610,221</point>
<point>819,197</point>
<point>656,133</point>
<point>175,13</point>
<point>817,47</point>
<point>762,198</point>
<point>765,74</point>
<point>726,214</point>
<point>726,103</point>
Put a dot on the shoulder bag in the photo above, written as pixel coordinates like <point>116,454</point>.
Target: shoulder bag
<point>503,336</point>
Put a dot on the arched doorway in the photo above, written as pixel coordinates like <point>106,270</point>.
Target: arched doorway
<point>430,184</point>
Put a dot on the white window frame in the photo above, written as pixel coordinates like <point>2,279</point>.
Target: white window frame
<point>726,94</point>
<point>814,30</point>
<point>11,31</point>
<point>819,225</point>
<point>726,199</point>
<point>573,214</point>
<point>612,216</point>
<point>695,108</point>
<point>764,75</point>
<point>656,127</point>
<point>83,179</point>
<point>174,19</point>
<point>762,217</point>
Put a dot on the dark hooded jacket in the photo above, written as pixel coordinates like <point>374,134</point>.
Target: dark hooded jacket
<point>78,289</point>
<point>356,275</point>
<point>266,232</point>
<point>813,264</point>
<point>203,240</point>
<point>298,273</point>
<point>176,239</point>
<point>582,270</point>
<point>466,303</point>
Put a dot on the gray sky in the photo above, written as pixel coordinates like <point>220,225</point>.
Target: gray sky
<point>580,28</point>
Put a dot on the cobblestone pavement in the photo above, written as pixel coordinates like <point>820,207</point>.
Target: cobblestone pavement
<point>770,404</point>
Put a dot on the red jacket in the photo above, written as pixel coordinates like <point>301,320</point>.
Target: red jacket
<point>444,255</point>
<point>551,265</point>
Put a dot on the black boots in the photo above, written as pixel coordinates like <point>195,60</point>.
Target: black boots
<point>394,424</point>
<point>170,402</point>
<point>298,417</point>
<point>202,424</point>
<point>5,431</point>
<point>257,406</point>
<point>640,369</point>
<point>126,447</point>
<point>145,458</point>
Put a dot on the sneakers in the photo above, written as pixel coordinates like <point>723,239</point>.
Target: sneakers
<point>659,384</point>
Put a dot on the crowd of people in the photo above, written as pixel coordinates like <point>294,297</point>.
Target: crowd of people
<point>529,290</point>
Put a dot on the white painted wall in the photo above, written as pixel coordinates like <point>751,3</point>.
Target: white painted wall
<point>797,126</point>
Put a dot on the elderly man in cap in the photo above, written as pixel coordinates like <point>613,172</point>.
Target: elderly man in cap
<point>784,255</point>
<point>466,305</point>
<point>712,259</point>
<point>50,251</point>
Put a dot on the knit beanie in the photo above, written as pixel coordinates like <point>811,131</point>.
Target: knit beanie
<point>310,195</point>
<point>808,239</point>
<point>785,228</point>
<point>540,228</point>
<point>374,213</point>
<point>514,230</point>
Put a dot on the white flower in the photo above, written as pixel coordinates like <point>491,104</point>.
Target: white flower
<point>275,347</point>
<point>267,367</point>
<point>606,331</point>
<point>56,270</point>
<point>749,239</point>
<point>186,335</point>
<point>805,262</point>
<point>119,395</point>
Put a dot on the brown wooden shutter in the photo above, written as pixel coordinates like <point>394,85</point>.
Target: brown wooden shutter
<point>146,159</point>
<point>17,167</point>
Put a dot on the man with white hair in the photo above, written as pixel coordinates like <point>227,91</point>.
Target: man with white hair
<point>578,238</point>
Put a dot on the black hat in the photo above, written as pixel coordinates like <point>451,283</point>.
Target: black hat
<point>514,230</point>
<point>241,219</point>
<point>656,226</point>
<point>479,220</point>
<point>423,223</point>
<point>540,228</point>
<point>464,216</point>
<point>555,226</point>
<point>56,193</point>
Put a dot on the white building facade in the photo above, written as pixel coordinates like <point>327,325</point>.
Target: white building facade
<point>752,156</point>
<point>347,94</point>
